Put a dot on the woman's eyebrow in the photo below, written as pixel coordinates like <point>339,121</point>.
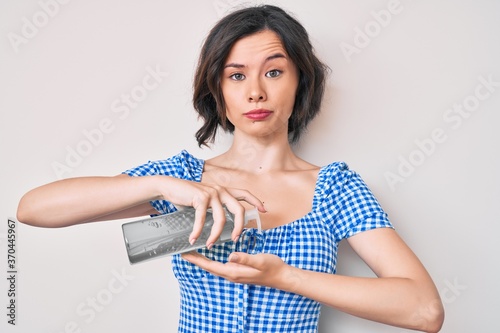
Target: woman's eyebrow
<point>271,57</point>
<point>275,56</point>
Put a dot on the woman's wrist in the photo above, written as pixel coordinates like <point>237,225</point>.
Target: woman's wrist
<point>292,278</point>
<point>155,187</point>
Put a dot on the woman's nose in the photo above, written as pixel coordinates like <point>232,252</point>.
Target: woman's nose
<point>256,92</point>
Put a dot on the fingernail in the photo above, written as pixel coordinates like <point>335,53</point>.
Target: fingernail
<point>209,246</point>
<point>235,240</point>
<point>192,241</point>
<point>233,257</point>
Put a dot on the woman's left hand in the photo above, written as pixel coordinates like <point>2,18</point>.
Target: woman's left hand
<point>260,269</point>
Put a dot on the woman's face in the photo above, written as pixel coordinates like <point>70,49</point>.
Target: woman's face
<point>259,83</point>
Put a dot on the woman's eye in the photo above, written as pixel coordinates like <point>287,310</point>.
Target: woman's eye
<point>237,76</point>
<point>274,73</point>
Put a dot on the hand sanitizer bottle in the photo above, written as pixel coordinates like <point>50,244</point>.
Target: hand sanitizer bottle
<point>169,234</point>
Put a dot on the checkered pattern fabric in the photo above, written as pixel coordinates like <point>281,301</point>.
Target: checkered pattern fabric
<point>342,206</point>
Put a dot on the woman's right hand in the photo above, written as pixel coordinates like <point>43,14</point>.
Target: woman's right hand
<point>203,196</point>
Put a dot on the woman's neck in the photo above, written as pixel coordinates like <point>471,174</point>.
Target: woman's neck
<point>256,155</point>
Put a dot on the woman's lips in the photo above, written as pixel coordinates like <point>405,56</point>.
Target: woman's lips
<point>259,114</point>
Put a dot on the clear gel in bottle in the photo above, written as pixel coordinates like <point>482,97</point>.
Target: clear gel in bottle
<point>169,234</point>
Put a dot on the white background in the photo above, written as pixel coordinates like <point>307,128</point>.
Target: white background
<point>397,89</point>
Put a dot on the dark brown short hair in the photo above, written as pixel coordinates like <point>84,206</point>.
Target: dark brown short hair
<point>208,100</point>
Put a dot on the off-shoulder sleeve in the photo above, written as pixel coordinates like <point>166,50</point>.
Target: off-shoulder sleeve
<point>347,205</point>
<point>183,166</point>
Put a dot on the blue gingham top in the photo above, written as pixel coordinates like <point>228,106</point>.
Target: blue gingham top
<point>342,206</point>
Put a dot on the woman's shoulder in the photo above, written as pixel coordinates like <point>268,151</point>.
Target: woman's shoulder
<point>334,177</point>
<point>183,158</point>
<point>184,163</point>
<point>181,165</point>
<point>186,157</point>
<point>336,166</point>
<point>334,170</point>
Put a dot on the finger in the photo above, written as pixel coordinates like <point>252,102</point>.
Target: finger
<point>219,217</point>
<point>241,258</point>
<point>238,212</point>
<point>231,271</point>
<point>206,264</point>
<point>254,261</point>
<point>193,257</point>
<point>199,221</point>
<point>244,195</point>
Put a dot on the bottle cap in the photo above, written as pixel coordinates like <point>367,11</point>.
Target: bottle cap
<point>253,215</point>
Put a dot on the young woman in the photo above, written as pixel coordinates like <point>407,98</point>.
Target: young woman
<point>259,79</point>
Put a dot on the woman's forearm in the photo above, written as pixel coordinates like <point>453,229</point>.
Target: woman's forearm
<point>395,301</point>
<point>78,200</point>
